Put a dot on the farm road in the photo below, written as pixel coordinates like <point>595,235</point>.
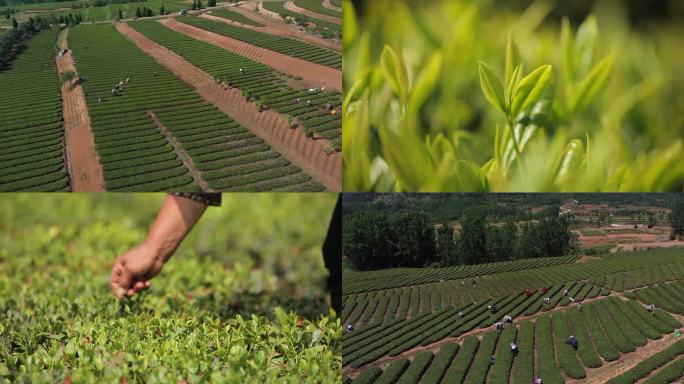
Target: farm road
<point>328,4</point>
<point>278,28</point>
<point>269,125</point>
<point>315,73</point>
<point>83,162</point>
<point>290,6</point>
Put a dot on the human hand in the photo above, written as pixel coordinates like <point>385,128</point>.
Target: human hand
<point>133,270</point>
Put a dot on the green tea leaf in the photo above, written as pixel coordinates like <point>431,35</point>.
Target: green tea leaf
<point>512,58</point>
<point>390,64</point>
<point>530,89</point>
<point>425,83</point>
<point>592,85</point>
<point>513,83</point>
<point>492,88</point>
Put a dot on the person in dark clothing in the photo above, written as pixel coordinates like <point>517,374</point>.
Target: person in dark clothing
<point>133,270</point>
<point>572,341</point>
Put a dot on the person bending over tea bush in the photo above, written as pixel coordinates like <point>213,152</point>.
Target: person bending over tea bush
<point>133,270</point>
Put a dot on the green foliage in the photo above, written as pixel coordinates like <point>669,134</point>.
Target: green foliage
<point>651,363</point>
<point>566,355</point>
<point>677,218</point>
<point>543,342</point>
<point>480,366</point>
<point>440,364</point>
<point>583,119</point>
<point>392,373</point>
<point>461,363</point>
<point>254,316</point>
<point>368,376</point>
<point>523,366</point>
<point>417,367</point>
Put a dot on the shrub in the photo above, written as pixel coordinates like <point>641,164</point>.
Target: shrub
<point>523,366</point>
<point>416,369</point>
<point>368,376</point>
<point>461,364</point>
<point>440,364</point>
<point>652,363</point>
<point>480,366</point>
<point>392,373</point>
<point>547,368</point>
<point>566,354</point>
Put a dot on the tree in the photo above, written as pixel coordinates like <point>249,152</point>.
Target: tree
<point>199,4</point>
<point>162,11</point>
<point>365,241</point>
<point>677,218</point>
<point>194,5</point>
<point>651,221</point>
<point>137,12</point>
<point>15,25</point>
<point>447,252</point>
<point>501,241</point>
<point>473,238</point>
<point>120,14</point>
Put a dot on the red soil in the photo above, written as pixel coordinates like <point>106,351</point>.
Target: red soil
<point>277,28</point>
<point>82,159</point>
<point>290,6</point>
<point>316,73</point>
<point>310,155</point>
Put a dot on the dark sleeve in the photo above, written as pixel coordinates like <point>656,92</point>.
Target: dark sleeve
<point>212,199</point>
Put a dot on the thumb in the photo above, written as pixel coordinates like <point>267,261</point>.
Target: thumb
<point>120,280</point>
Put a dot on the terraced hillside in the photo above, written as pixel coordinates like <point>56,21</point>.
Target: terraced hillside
<point>31,130</point>
<point>258,82</point>
<point>444,332</point>
<point>159,134</point>
<point>284,45</point>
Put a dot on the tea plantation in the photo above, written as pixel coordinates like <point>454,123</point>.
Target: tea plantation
<point>436,325</point>
<point>243,300</point>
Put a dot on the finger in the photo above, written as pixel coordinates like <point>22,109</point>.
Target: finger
<point>114,279</point>
<point>138,286</point>
<point>147,284</point>
<point>130,293</point>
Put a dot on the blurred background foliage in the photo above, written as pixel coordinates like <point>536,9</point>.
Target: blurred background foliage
<point>416,118</point>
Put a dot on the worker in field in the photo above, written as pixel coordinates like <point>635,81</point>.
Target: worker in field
<point>508,319</point>
<point>498,326</point>
<point>572,341</point>
<point>350,328</point>
<point>242,71</point>
<point>565,293</point>
<point>492,308</point>
<point>547,300</point>
<point>545,289</point>
<point>571,300</point>
<point>651,308</point>
<point>460,314</point>
<point>133,270</point>
<point>514,349</point>
<point>528,292</point>
<point>538,380</point>
<point>492,360</point>
<point>473,282</point>
<point>580,306</point>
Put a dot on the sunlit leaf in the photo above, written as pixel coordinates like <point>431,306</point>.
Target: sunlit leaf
<point>492,88</point>
<point>590,87</point>
<point>531,89</point>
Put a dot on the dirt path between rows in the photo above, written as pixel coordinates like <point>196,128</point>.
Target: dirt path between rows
<point>277,28</point>
<point>182,155</point>
<point>626,361</point>
<point>264,11</point>
<point>269,125</point>
<point>291,6</point>
<point>315,73</point>
<point>83,162</point>
<point>328,4</point>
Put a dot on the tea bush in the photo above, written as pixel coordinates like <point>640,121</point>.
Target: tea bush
<point>242,301</point>
<point>477,96</point>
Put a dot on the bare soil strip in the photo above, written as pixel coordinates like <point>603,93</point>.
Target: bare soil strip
<point>277,28</point>
<point>264,11</point>
<point>182,155</point>
<point>310,155</point>
<point>83,162</point>
<point>290,6</point>
<point>328,4</point>
<point>315,73</point>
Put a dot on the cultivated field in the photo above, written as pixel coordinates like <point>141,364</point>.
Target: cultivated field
<point>434,325</point>
<point>177,103</point>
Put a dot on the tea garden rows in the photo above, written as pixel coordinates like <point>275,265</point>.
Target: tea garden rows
<point>134,153</point>
<point>429,333</point>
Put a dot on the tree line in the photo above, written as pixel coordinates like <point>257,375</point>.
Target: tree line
<point>15,40</point>
<point>378,239</point>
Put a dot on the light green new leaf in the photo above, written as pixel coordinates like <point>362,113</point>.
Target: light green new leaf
<point>492,88</point>
<point>592,85</point>
<point>513,83</point>
<point>389,63</point>
<point>512,58</point>
<point>408,158</point>
<point>425,83</point>
<point>568,55</point>
<point>531,89</point>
